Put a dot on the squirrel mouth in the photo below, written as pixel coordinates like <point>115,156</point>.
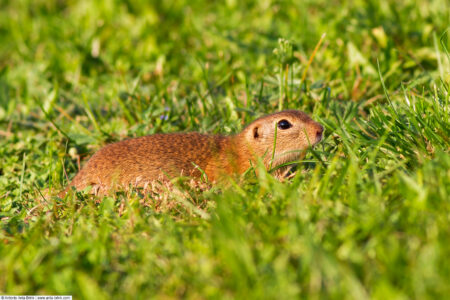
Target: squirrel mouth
<point>319,138</point>
<point>319,134</point>
<point>315,140</point>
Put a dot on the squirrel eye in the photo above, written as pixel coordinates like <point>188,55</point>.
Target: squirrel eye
<point>284,124</point>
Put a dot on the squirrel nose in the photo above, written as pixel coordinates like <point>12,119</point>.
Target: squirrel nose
<point>319,133</point>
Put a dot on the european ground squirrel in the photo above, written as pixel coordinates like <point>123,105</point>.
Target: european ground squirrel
<point>139,161</point>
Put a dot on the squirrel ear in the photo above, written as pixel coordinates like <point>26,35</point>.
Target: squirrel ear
<point>255,132</point>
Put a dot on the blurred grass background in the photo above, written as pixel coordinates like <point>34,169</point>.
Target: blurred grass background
<point>366,216</point>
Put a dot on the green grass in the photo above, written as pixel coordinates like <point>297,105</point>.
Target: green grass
<point>366,216</point>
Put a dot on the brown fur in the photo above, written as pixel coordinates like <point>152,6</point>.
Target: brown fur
<point>142,160</point>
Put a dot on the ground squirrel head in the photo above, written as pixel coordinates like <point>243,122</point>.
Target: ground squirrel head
<point>294,131</point>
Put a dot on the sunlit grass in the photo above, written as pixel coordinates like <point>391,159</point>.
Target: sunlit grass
<point>365,216</point>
